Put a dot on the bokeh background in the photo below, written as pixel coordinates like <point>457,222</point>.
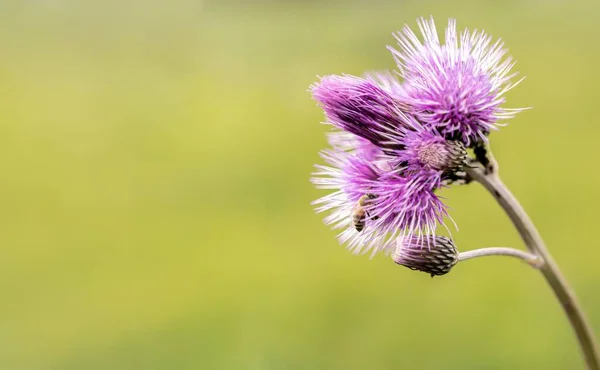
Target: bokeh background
<point>155,202</point>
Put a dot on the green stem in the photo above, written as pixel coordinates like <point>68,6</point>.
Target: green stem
<point>488,177</point>
<point>530,258</point>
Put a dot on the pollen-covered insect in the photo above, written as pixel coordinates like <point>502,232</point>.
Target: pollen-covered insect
<point>360,213</point>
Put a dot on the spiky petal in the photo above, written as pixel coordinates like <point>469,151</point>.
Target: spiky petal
<point>397,205</point>
<point>407,204</point>
<point>361,107</point>
<point>350,176</point>
<point>456,87</point>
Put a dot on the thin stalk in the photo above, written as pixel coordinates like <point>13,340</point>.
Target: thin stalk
<point>530,258</point>
<point>489,178</point>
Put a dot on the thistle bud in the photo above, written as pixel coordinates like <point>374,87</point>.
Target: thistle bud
<point>424,150</point>
<point>457,156</point>
<point>433,255</point>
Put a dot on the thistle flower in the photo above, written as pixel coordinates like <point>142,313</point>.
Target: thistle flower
<point>361,107</point>
<point>457,87</point>
<point>351,175</point>
<point>407,204</point>
<point>435,255</point>
<point>377,200</point>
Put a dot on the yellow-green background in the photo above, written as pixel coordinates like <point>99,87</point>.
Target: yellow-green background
<point>155,202</point>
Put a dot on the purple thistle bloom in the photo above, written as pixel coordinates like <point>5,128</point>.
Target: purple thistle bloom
<point>351,176</point>
<point>389,204</point>
<point>383,191</point>
<point>361,107</point>
<point>407,205</point>
<point>458,87</point>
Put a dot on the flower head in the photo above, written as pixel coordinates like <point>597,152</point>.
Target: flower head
<point>361,107</point>
<point>373,204</point>
<point>351,176</point>
<point>407,204</point>
<point>457,87</point>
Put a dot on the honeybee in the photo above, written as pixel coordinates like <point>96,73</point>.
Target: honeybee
<point>360,214</point>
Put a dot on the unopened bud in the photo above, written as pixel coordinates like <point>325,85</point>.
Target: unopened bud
<point>432,152</point>
<point>433,255</point>
<point>457,156</point>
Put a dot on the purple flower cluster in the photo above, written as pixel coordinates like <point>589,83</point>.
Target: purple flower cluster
<point>397,141</point>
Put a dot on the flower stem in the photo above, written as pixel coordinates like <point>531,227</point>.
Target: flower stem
<point>530,258</point>
<point>488,177</point>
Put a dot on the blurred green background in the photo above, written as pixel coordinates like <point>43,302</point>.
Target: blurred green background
<point>155,201</point>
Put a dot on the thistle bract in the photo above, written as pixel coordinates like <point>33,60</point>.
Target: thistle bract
<point>435,255</point>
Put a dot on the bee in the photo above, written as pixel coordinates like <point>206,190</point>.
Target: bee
<point>360,214</point>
